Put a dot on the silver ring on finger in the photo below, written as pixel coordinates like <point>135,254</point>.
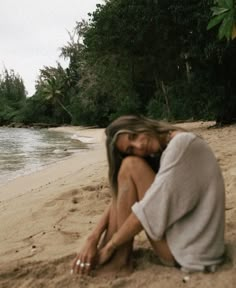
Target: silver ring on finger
<point>82,265</point>
<point>87,264</point>
<point>78,262</point>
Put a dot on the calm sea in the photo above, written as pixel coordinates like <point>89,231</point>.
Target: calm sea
<point>23,151</point>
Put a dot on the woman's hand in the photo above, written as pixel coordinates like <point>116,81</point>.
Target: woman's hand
<point>86,258</point>
<point>105,253</point>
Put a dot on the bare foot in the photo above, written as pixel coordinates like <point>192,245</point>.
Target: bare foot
<point>114,269</point>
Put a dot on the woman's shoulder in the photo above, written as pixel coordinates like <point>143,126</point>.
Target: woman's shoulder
<point>177,147</point>
<point>183,136</point>
<point>181,139</point>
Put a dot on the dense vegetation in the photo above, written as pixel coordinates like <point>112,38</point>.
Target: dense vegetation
<point>154,58</point>
<point>12,97</point>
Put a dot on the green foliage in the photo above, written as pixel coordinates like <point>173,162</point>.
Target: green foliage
<point>36,111</point>
<point>224,13</point>
<point>186,101</point>
<point>52,89</point>
<point>12,96</point>
<point>153,58</point>
<point>148,44</point>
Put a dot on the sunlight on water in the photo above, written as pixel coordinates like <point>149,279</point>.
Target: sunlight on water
<point>25,150</point>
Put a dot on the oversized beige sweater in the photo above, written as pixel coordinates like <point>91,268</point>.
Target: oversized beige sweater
<point>186,203</point>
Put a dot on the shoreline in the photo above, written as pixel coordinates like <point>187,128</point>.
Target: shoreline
<point>46,216</point>
<point>66,130</point>
<point>50,169</point>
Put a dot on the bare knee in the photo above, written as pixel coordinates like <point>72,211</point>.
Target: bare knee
<point>129,166</point>
<point>135,172</point>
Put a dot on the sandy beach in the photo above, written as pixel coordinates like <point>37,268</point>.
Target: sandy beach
<point>46,216</point>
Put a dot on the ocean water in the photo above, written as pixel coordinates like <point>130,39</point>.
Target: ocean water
<point>23,151</point>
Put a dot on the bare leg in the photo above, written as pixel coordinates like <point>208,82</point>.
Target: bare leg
<point>135,177</point>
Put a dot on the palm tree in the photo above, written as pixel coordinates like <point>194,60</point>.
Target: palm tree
<point>52,85</point>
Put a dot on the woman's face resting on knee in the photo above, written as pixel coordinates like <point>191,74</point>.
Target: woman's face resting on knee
<point>140,144</point>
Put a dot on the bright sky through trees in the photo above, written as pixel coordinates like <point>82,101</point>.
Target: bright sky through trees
<point>31,33</point>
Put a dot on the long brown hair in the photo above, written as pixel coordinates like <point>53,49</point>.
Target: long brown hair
<point>134,125</point>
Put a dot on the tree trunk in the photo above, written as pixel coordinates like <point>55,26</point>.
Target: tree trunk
<point>187,67</point>
<point>164,90</point>
<point>64,108</point>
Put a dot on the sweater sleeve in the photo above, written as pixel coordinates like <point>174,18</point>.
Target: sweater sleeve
<point>172,194</point>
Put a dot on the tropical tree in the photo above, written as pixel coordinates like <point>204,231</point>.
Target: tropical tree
<point>73,52</point>
<point>147,50</point>
<point>148,57</point>
<point>12,96</point>
<point>52,84</point>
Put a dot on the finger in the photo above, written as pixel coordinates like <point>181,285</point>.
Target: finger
<point>73,268</point>
<point>76,265</point>
<point>87,267</point>
<point>81,267</point>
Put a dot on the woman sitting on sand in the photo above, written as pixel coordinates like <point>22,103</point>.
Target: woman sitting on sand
<point>181,208</point>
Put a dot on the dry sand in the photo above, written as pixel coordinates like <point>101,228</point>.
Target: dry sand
<point>46,216</point>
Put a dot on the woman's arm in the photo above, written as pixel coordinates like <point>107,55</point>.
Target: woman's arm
<point>127,231</point>
<point>100,228</point>
<point>86,258</point>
